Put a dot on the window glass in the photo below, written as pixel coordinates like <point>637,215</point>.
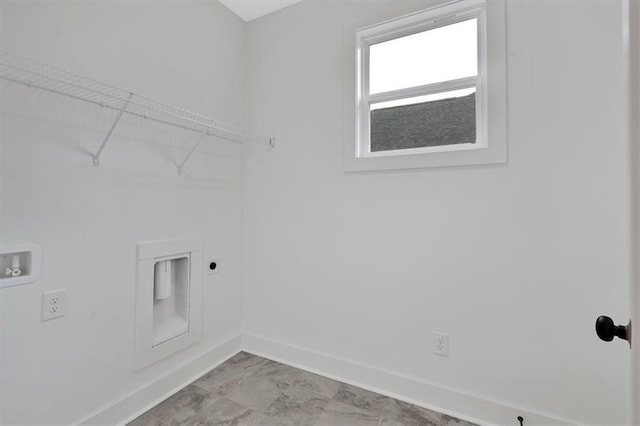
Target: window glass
<point>440,54</point>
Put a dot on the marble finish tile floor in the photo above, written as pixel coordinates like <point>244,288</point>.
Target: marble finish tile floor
<point>248,390</point>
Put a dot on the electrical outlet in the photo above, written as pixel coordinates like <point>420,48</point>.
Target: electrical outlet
<point>54,304</point>
<point>441,344</point>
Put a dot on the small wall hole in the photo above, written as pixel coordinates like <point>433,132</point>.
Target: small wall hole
<point>213,266</point>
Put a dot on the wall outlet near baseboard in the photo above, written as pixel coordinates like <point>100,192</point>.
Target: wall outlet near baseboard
<point>441,344</point>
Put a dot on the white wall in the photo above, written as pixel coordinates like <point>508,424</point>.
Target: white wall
<point>515,262</point>
<point>88,221</point>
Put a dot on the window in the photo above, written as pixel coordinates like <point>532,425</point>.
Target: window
<point>421,90</point>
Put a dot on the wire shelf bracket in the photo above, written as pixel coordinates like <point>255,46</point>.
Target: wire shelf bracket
<point>193,149</point>
<point>96,157</point>
<point>34,74</point>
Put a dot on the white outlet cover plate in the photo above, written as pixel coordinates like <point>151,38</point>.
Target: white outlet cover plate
<point>441,344</point>
<point>54,304</point>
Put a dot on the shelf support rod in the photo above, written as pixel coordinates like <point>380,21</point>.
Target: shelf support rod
<point>193,149</point>
<point>96,157</point>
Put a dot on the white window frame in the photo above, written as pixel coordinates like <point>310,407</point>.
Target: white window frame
<point>490,146</point>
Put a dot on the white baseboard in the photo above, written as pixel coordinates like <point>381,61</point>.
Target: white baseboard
<point>465,406</point>
<point>139,401</point>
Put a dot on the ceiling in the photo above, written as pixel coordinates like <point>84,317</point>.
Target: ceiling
<point>252,9</point>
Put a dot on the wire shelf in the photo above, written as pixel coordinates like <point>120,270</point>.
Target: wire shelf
<point>17,69</point>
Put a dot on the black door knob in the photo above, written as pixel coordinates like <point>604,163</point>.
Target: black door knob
<point>607,330</point>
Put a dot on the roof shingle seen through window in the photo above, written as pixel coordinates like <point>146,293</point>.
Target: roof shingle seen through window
<point>436,123</point>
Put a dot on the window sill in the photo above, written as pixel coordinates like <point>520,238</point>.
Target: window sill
<point>454,156</point>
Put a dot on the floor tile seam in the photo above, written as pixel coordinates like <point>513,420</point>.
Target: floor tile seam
<point>242,405</point>
<point>200,386</point>
<point>163,423</point>
<point>377,412</point>
<point>379,420</point>
<point>332,397</point>
<point>200,413</point>
<point>213,398</point>
<point>261,412</point>
<point>276,415</point>
<point>373,413</point>
<point>321,396</point>
<point>246,409</point>
<point>265,411</point>
<point>194,384</point>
